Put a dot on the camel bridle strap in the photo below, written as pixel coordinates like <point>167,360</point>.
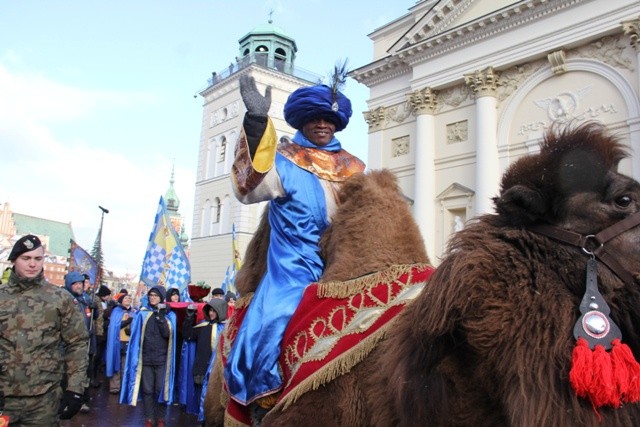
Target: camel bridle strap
<point>595,244</point>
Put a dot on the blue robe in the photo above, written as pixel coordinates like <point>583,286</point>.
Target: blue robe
<point>187,389</point>
<point>112,353</point>
<point>297,222</point>
<point>132,377</point>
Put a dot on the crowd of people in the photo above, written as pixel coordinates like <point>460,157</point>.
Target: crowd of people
<point>57,344</point>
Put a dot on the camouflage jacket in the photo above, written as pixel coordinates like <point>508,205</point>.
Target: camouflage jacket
<point>41,334</point>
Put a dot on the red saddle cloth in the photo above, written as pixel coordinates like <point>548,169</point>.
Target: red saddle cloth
<point>336,325</point>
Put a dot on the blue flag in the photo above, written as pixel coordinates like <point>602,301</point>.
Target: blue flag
<point>165,263</point>
<point>82,262</point>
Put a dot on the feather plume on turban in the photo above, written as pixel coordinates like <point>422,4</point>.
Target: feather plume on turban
<point>307,103</point>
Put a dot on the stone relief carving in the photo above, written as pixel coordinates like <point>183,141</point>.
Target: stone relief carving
<point>610,50</point>
<point>381,116</point>
<point>375,118</point>
<point>453,97</point>
<point>225,113</point>
<point>400,146</point>
<point>512,78</point>
<point>457,132</point>
<point>423,101</point>
<point>564,107</point>
<point>632,30</point>
<point>483,82</point>
<point>399,113</point>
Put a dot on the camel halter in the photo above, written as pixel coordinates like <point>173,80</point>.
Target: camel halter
<point>604,369</point>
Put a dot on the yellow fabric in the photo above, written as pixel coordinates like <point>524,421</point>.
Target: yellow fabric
<point>266,152</point>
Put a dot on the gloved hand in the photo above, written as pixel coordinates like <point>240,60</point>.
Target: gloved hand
<point>69,405</point>
<point>191,310</point>
<point>161,312</point>
<point>256,104</point>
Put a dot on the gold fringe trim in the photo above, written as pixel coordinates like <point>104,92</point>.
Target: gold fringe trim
<point>349,288</point>
<point>338,367</point>
<point>244,301</point>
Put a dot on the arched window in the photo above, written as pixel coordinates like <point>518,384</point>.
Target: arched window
<point>218,210</point>
<point>262,55</point>
<point>222,151</point>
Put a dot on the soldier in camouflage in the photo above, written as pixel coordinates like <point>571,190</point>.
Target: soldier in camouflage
<point>41,334</point>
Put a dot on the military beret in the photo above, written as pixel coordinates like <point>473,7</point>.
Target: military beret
<point>24,244</point>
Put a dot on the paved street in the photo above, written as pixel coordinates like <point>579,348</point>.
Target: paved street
<point>106,411</point>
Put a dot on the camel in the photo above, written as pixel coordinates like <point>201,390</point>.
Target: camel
<point>494,339</point>
<point>532,317</point>
<point>372,235</point>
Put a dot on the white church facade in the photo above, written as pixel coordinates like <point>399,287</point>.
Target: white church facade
<point>459,89</point>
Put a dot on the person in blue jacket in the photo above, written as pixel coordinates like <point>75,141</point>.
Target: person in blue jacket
<point>150,359</point>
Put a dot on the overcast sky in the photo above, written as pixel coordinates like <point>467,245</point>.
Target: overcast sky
<point>97,100</point>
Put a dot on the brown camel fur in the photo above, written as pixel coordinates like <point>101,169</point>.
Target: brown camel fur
<point>373,229</point>
<point>489,341</point>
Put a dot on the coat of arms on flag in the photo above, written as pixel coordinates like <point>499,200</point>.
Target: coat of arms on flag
<point>165,262</point>
<point>82,262</point>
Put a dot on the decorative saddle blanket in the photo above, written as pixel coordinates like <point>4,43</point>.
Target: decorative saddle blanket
<point>336,325</point>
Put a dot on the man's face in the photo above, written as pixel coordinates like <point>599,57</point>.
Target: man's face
<point>30,264</point>
<point>154,299</point>
<point>87,285</point>
<point>126,301</point>
<point>77,288</point>
<point>319,131</point>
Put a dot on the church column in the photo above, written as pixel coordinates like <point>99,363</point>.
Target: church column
<point>376,120</point>
<point>632,29</point>
<point>423,102</point>
<point>484,84</point>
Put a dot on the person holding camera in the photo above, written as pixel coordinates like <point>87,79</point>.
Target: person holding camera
<point>150,357</point>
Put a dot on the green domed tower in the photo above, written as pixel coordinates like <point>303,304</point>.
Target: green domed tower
<point>268,45</point>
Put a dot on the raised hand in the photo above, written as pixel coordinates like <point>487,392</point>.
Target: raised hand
<point>256,104</point>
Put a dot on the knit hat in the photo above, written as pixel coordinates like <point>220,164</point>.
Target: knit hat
<point>103,291</point>
<point>159,290</point>
<point>24,244</point>
<point>229,296</point>
<point>217,291</point>
<point>307,103</point>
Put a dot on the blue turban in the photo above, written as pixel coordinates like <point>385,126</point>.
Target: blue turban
<point>307,103</point>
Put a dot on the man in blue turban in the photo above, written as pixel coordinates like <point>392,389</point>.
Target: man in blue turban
<point>299,177</point>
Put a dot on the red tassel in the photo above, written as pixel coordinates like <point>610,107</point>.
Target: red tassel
<point>581,374</point>
<point>603,391</point>
<point>626,372</point>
